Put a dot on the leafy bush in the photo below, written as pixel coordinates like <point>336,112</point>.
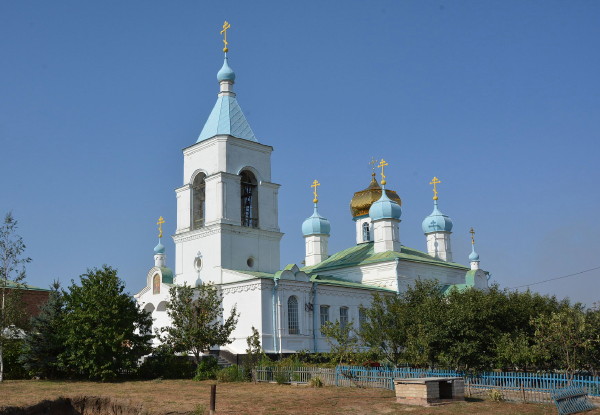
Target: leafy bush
<point>207,369</point>
<point>163,363</point>
<point>496,395</point>
<point>231,374</point>
<point>315,382</point>
<point>13,348</point>
<point>282,376</point>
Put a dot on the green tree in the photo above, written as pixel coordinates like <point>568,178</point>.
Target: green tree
<point>384,330</point>
<point>12,276</point>
<point>254,352</point>
<point>44,341</point>
<point>563,337</point>
<point>197,320</point>
<point>105,332</point>
<point>341,339</point>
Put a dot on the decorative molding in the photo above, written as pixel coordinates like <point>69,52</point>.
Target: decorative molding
<point>244,287</point>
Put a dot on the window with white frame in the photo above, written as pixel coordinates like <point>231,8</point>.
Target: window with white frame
<point>343,316</point>
<point>366,232</point>
<point>293,324</point>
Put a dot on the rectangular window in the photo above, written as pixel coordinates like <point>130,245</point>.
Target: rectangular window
<point>343,316</point>
<point>324,313</point>
<point>293,324</point>
<point>362,317</point>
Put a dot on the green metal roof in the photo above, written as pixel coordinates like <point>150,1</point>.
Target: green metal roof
<point>21,286</point>
<point>363,254</point>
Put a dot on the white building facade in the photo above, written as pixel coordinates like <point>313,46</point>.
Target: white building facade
<point>228,234</point>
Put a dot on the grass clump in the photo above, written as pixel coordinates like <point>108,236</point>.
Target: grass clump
<point>315,382</point>
<point>231,374</point>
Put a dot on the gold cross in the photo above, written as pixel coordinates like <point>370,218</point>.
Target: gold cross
<point>373,162</point>
<point>315,185</point>
<point>160,224</point>
<point>226,26</point>
<point>472,232</point>
<point>435,182</point>
<point>382,164</point>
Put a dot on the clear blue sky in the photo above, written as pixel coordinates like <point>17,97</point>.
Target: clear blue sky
<point>499,99</point>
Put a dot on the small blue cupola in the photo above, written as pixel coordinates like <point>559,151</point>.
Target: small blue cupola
<point>473,256</point>
<point>159,249</point>
<point>226,73</point>
<point>437,221</point>
<point>316,225</point>
<point>385,208</point>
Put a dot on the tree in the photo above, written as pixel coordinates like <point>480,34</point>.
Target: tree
<point>562,336</point>
<point>197,320</point>
<point>105,332</point>
<point>384,329</point>
<point>12,274</point>
<point>254,352</point>
<point>45,340</point>
<point>342,341</point>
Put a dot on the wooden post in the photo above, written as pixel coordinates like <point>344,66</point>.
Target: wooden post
<point>213,399</point>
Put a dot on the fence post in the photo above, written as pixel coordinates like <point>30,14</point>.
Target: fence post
<point>213,399</point>
<point>336,375</point>
<point>523,393</point>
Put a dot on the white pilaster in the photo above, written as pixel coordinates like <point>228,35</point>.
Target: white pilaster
<point>386,235</point>
<point>316,249</point>
<point>438,245</point>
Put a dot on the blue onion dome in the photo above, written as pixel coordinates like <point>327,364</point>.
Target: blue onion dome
<point>385,208</point>
<point>159,249</point>
<point>473,256</point>
<point>316,225</point>
<point>225,73</point>
<point>437,221</point>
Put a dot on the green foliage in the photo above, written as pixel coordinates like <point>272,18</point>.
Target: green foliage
<point>561,336</point>
<point>196,314</point>
<point>254,353</point>
<point>207,368</point>
<point>282,376</point>
<point>164,364</point>
<point>315,382</point>
<point>105,333</point>
<point>341,339</point>
<point>44,341</point>
<point>13,349</point>
<point>232,373</point>
<point>496,395</point>
<point>481,329</point>
<point>12,271</point>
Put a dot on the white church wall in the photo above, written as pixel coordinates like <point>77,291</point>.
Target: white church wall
<point>244,153</point>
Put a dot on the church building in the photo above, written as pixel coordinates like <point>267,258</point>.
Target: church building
<point>228,234</point>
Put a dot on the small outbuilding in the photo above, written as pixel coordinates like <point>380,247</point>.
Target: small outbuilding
<point>429,391</point>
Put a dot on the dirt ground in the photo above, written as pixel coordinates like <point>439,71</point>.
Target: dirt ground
<point>183,396</point>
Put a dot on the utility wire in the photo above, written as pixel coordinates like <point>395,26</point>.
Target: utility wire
<point>557,278</point>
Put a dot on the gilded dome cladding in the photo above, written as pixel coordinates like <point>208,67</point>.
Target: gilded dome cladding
<point>362,200</point>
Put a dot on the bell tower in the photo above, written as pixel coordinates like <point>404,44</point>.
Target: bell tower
<point>227,210</point>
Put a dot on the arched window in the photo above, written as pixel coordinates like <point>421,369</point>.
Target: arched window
<point>366,232</point>
<point>293,324</point>
<point>249,199</point>
<point>198,201</point>
<point>156,284</point>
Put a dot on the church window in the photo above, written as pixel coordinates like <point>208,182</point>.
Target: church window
<point>324,314</point>
<point>343,316</point>
<point>156,284</point>
<point>198,201</point>
<point>293,324</point>
<point>362,317</point>
<point>366,232</point>
<point>249,192</point>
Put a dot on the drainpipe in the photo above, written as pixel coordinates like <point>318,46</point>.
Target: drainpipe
<point>397,277</point>
<point>275,286</point>
<point>314,290</point>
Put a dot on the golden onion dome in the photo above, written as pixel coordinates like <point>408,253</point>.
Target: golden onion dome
<point>362,200</point>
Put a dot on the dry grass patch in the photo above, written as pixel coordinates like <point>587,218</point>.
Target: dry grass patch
<point>186,396</point>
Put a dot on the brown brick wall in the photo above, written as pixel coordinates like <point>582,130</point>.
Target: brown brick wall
<point>33,300</point>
